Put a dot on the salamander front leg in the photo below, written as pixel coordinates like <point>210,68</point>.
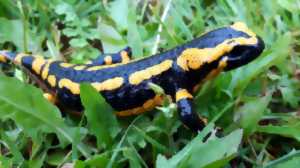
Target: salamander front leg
<point>188,117</point>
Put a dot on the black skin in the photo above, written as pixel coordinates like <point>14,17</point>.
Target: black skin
<point>130,96</point>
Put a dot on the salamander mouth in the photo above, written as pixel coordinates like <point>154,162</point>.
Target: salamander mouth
<point>242,55</point>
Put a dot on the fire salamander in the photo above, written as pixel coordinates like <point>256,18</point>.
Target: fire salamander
<point>125,84</point>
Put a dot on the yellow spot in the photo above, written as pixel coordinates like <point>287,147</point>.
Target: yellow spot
<point>139,76</point>
<point>19,57</point>
<point>50,98</point>
<point>240,26</point>
<point>37,64</point>
<point>108,60</point>
<point>66,65</point>
<point>52,80</point>
<point>183,94</point>
<point>46,69</point>
<point>125,57</point>
<point>73,87</point>
<point>147,106</point>
<point>2,58</point>
<point>194,58</point>
<point>79,67</point>
<point>109,84</point>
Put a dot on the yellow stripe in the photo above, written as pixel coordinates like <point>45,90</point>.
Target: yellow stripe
<point>109,84</point>
<point>139,76</point>
<point>88,62</point>
<point>66,65</point>
<point>45,70</point>
<point>74,88</point>
<point>183,94</point>
<point>52,80</point>
<point>19,57</point>
<point>37,64</point>
<point>79,67</point>
<point>194,58</point>
<point>240,26</point>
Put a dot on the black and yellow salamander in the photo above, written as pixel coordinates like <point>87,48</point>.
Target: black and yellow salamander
<point>125,84</point>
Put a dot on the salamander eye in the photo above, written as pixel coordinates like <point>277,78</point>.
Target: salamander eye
<point>243,54</point>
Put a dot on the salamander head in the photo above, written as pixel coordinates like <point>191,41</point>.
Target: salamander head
<point>229,47</point>
<point>244,50</point>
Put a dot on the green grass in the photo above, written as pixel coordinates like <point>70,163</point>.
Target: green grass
<point>257,106</point>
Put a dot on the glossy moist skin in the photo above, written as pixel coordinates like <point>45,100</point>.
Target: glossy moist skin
<point>125,84</point>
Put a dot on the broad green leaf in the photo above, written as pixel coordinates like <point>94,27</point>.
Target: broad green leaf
<point>101,119</point>
<point>179,23</point>
<point>119,13</point>
<point>98,161</point>
<point>251,112</point>
<point>289,90</point>
<point>10,144</point>
<point>78,42</point>
<point>291,5</point>
<point>133,36</point>
<point>132,157</point>
<point>218,152</point>
<point>8,8</point>
<point>152,141</point>
<point>31,111</point>
<point>288,130</point>
<point>293,163</point>
<point>5,162</point>
<point>111,39</point>
<point>12,31</point>
<point>66,9</point>
<point>289,96</point>
<point>56,158</point>
<point>290,160</point>
<point>38,161</point>
<point>215,152</point>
